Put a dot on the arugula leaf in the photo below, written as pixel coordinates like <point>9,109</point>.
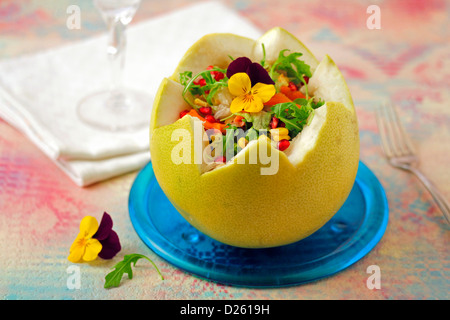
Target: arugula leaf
<point>294,118</point>
<point>208,90</point>
<point>185,77</point>
<point>294,68</point>
<point>317,104</point>
<point>211,87</point>
<point>113,278</point>
<point>310,102</point>
<point>187,81</point>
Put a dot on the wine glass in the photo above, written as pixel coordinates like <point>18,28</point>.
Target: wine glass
<point>116,108</point>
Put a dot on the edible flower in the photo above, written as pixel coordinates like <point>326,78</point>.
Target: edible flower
<point>85,247</point>
<point>94,241</point>
<point>254,70</point>
<point>248,98</point>
<point>108,238</point>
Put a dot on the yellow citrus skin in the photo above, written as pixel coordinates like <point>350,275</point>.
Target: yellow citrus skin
<point>236,204</point>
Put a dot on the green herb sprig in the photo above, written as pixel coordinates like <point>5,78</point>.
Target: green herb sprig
<point>208,90</point>
<point>295,69</point>
<point>294,118</point>
<point>113,278</point>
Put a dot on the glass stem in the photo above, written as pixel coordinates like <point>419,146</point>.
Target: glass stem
<point>116,52</point>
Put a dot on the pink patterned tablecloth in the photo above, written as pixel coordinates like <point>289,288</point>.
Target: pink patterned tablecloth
<point>406,61</point>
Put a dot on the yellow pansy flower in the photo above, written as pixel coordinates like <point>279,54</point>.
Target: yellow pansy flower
<point>248,98</point>
<point>85,247</point>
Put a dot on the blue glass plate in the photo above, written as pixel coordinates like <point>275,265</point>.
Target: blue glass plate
<point>355,230</point>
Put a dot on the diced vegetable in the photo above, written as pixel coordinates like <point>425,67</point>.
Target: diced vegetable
<point>278,98</point>
<point>207,124</point>
<point>292,94</point>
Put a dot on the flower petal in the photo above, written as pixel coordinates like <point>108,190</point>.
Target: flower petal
<point>257,73</point>
<point>237,105</point>
<point>238,65</point>
<point>93,247</point>
<point>239,84</point>
<point>110,246</point>
<point>264,91</point>
<point>77,242</point>
<point>88,226</point>
<point>253,104</point>
<point>76,252</point>
<point>105,227</point>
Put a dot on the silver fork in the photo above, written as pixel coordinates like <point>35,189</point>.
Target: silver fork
<point>400,152</point>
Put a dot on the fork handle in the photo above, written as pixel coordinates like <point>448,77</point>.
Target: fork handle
<point>437,196</point>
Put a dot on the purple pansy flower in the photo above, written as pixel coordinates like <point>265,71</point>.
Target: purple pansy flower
<point>107,237</point>
<point>254,70</point>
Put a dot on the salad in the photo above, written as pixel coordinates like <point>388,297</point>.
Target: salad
<point>248,99</point>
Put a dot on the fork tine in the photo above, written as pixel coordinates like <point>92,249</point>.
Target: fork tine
<point>392,130</point>
<point>403,138</point>
<point>395,133</point>
<point>383,132</point>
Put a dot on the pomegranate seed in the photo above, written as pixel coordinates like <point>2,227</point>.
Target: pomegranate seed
<point>281,124</point>
<point>306,79</point>
<point>274,122</point>
<point>221,159</point>
<point>292,86</point>
<point>210,118</point>
<point>205,110</point>
<point>200,82</point>
<point>283,145</point>
<point>183,113</point>
<point>218,75</point>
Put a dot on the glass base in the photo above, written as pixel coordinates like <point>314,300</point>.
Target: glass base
<point>120,110</point>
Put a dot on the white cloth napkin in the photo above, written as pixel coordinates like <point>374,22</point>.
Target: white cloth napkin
<point>39,93</point>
